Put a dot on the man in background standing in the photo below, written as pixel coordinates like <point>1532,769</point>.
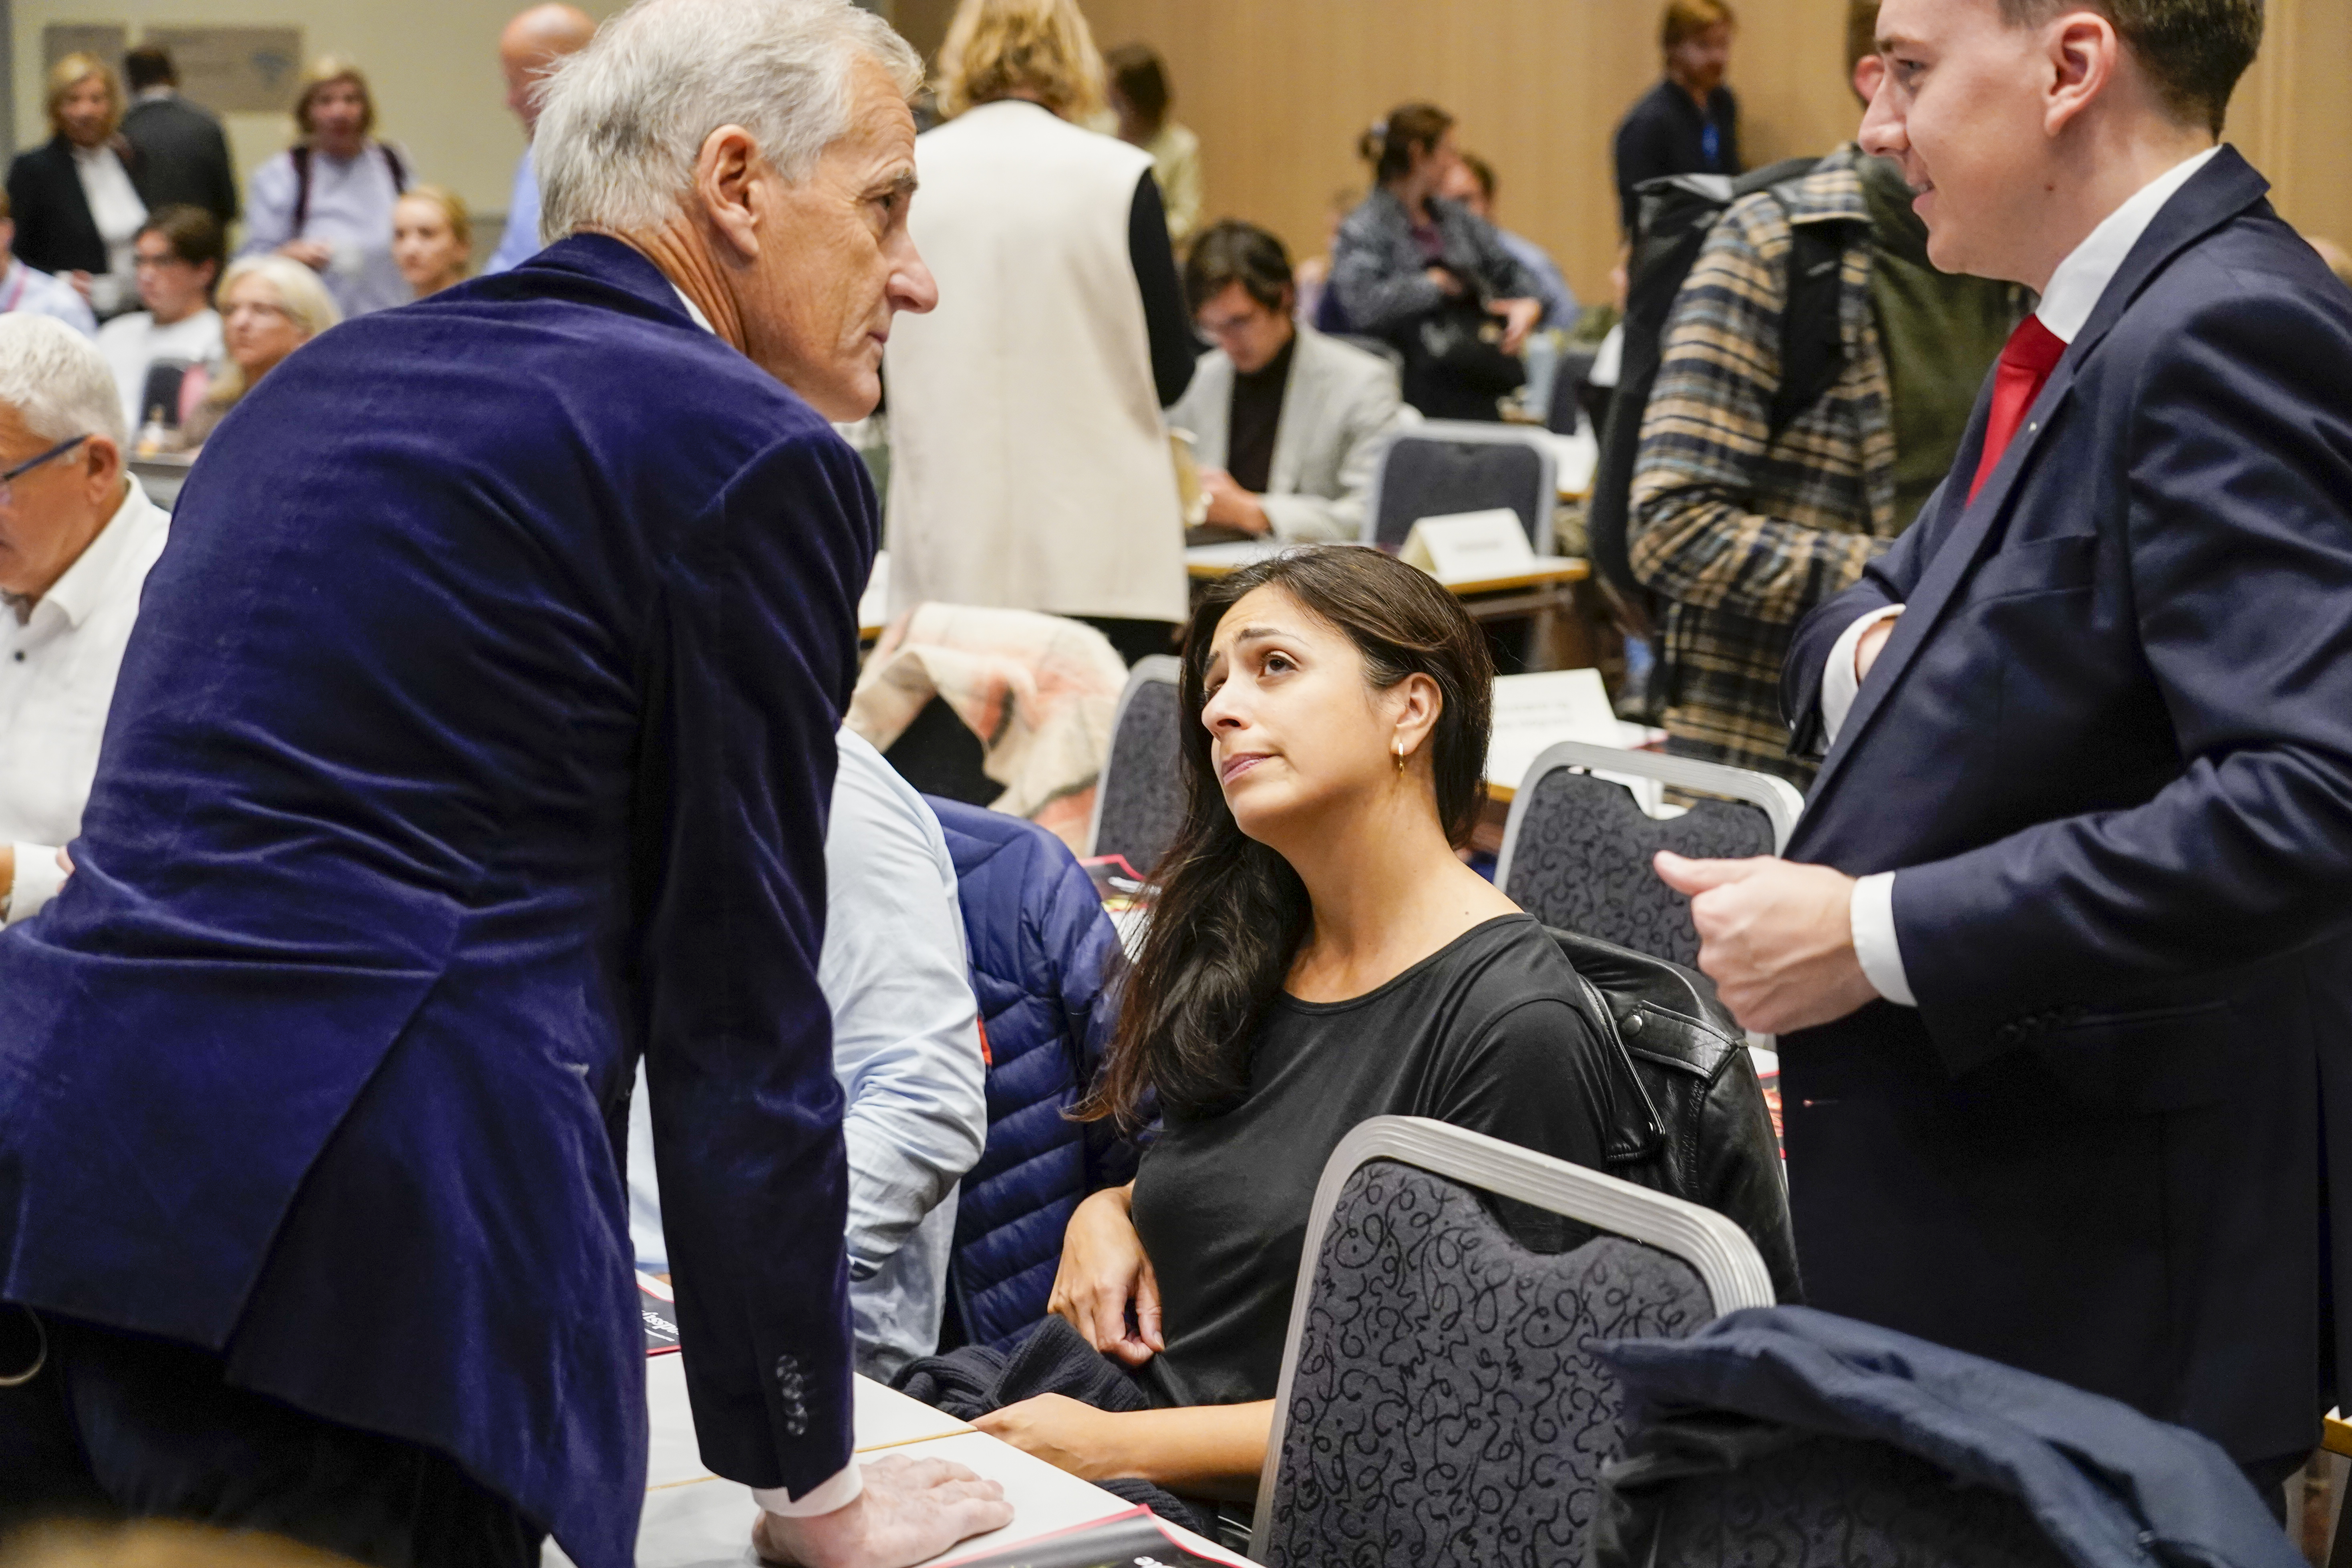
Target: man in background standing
<point>182,155</point>
<point>532,42</point>
<point>1471,181</point>
<point>1689,122</point>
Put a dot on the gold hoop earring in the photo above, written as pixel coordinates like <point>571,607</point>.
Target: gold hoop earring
<point>1397,748</point>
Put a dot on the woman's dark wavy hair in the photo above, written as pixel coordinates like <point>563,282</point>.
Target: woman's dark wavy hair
<point>1230,912</point>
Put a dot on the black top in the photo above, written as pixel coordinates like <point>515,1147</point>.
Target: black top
<point>55,232</point>
<point>1256,415</point>
<point>1665,134</point>
<point>1479,1033</point>
<point>1167,324</point>
<point>185,153</point>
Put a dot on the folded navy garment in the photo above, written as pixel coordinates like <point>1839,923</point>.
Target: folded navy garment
<point>2108,1487</point>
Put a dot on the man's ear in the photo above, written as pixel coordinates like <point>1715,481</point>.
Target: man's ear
<point>1868,72</point>
<point>724,173</point>
<point>2082,53</point>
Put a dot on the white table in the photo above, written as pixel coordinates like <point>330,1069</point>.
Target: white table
<point>695,1519</point>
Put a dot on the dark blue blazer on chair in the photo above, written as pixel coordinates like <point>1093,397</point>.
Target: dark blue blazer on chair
<point>2108,750</point>
<point>476,736</point>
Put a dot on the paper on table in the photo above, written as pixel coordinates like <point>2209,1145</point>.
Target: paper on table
<point>1533,711</point>
<point>1240,552</point>
<point>887,1419</point>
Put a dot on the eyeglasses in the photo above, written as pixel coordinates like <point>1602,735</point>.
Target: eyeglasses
<point>9,476</point>
<point>255,308</point>
<point>159,259</point>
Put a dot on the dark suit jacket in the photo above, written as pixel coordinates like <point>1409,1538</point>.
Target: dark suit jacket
<point>54,229</point>
<point>185,156</point>
<point>2108,749</point>
<point>477,735</point>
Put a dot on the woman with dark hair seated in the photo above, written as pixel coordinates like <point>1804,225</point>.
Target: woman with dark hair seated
<point>1319,954</point>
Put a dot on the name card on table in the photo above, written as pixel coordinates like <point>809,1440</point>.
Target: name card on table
<point>1470,546</point>
<point>1534,711</point>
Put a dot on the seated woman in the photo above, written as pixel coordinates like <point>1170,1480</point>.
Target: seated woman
<point>432,238</point>
<point>1319,956</point>
<point>269,306</point>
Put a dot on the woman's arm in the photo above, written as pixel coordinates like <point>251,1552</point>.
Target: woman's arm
<point>1103,1270</point>
<point>1203,1450</point>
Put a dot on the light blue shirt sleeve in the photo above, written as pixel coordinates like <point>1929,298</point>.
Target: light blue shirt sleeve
<point>907,1053</point>
<point>519,243</point>
<point>269,206</point>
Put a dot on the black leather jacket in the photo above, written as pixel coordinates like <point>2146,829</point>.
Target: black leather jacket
<point>1689,1118</point>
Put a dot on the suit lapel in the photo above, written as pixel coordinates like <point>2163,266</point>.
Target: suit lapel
<point>1282,473</point>
<point>2218,193</point>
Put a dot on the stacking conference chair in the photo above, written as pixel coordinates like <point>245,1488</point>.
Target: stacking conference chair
<point>1441,466</point>
<point>1438,1402</point>
<point>1139,802</point>
<point>1576,848</point>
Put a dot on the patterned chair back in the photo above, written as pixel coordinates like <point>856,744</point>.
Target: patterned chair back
<point>1440,466</point>
<point>1438,1402</point>
<point>1139,803</point>
<point>1576,854</point>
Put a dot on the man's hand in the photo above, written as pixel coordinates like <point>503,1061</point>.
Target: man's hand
<point>1776,937</point>
<point>1065,1434</point>
<point>1519,319</point>
<point>910,1509</point>
<point>1103,1269</point>
<point>1866,648</point>
<point>314,254</point>
<point>1231,505</point>
<point>1444,280</point>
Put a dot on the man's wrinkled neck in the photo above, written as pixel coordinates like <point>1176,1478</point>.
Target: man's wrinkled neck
<point>684,257</point>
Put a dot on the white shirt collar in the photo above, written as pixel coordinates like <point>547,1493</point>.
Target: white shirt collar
<point>693,310</point>
<point>91,581</point>
<point>2079,280</point>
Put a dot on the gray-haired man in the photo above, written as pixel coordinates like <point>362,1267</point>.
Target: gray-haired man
<point>476,740</point>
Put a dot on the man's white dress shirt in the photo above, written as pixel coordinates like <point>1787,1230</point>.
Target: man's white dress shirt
<point>2066,305</point>
<point>134,342</point>
<point>57,680</point>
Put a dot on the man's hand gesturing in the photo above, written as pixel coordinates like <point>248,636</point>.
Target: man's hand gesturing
<point>1776,937</point>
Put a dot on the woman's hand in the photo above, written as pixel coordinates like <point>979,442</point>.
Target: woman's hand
<point>1065,1434</point>
<point>1519,319</point>
<point>314,254</point>
<point>1103,1270</point>
<point>1443,278</point>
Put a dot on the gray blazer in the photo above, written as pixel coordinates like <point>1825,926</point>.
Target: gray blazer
<point>1338,415</point>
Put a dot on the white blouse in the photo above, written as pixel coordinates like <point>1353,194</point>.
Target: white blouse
<point>115,207</point>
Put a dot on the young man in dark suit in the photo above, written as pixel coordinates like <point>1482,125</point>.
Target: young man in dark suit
<point>181,149</point>
<point>2066,986</point>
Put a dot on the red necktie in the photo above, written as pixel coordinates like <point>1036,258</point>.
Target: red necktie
<point>2032,353</point>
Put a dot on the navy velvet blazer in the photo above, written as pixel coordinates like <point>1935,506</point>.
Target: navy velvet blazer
<point>2108,748</point>
<point>476,736</point>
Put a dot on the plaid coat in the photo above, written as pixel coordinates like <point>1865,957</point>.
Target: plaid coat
<point>1741,532</point>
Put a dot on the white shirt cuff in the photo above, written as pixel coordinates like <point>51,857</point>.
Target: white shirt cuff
<point>39,877</point>
<point>822,1498</point>
<point>1840,684</point>
<point>1871,915</point>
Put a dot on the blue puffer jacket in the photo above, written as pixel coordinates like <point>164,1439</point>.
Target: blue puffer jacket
<point>1042,950</point>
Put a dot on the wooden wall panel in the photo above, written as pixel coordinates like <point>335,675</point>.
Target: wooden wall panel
<point>1279,90</point>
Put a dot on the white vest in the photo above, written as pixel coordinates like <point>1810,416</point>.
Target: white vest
<point>1029,469</point>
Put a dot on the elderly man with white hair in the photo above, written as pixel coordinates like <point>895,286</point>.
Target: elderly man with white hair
<point>76,537</point>
<point>475,741</point>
